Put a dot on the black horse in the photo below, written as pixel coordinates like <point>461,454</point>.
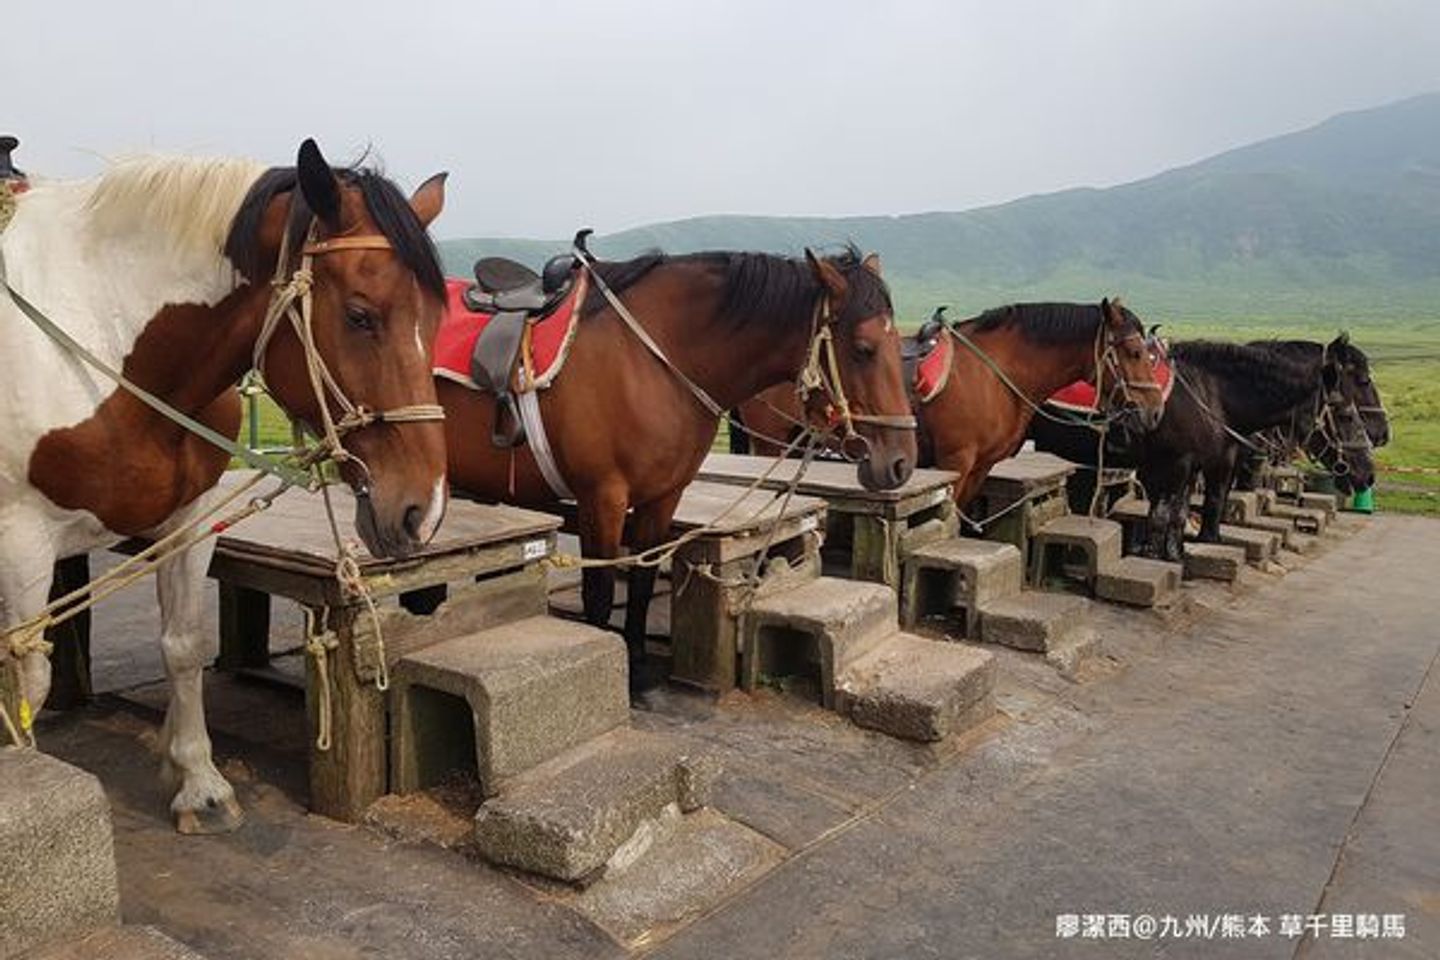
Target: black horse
<point>1223,393</point>
<point>1309,432</point>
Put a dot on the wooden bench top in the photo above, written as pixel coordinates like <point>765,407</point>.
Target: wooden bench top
<point>706,503</point>
<point>294,532</point>
<point>823,478</point>
<point>1030,470</point>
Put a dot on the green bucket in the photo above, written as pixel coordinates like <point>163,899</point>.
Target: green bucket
<point>1363,501</point>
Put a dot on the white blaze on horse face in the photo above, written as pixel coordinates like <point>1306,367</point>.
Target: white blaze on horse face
<point>435,513</point>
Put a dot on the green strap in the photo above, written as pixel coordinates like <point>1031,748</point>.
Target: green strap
<point>292,475</point>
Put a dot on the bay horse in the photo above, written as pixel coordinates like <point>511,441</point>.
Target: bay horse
<point>162,268</point>
<point>1003,363</point>
<point>1225,392</point>
<point>628,434</point>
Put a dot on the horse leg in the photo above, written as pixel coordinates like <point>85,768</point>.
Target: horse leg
<point>602,521</point>
<point>25,578</point>
<point>649,528</point>
<point>204,802</point>
<point>1218,479</point>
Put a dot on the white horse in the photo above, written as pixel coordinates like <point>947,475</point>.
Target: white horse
<point>162,268</point>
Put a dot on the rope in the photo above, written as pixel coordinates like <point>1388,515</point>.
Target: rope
<point>320,640</point>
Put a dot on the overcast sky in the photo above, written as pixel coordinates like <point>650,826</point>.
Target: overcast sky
<point>551,115</point>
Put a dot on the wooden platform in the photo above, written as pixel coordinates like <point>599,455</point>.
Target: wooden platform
<point>868,532</point>
<point>1022,494</point>
<point>482,569</point>
<point>762,536</point>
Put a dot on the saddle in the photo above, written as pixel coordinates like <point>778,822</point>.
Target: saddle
<point>925,358</point>
<point>8,170</point>
<point>509,332</point>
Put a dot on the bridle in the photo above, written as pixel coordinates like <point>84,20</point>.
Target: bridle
<point>1107,358</point>
<point>291,299</point>
<point>1331,402</point>
<point>822,372</point>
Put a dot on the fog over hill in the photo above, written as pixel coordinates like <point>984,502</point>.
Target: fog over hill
<point>1337,223</point>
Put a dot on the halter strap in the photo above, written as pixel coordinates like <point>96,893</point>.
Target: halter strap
<point>369,241</point>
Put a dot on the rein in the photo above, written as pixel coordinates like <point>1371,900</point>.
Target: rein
<point>821,370</point>
<point>290,299</point>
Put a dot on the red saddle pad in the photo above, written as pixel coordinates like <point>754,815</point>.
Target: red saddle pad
<point>548,342</point>
<point>933,371</point>
<point>1080,395</point>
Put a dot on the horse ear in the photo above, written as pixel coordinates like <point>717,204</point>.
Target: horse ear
<point>318,184</point>
<point>830,278</point>
<point>1110,310</point>
<point>429,198</point>
<point>871,263</point>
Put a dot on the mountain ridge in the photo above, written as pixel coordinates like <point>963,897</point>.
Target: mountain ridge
<point>1339,221</point>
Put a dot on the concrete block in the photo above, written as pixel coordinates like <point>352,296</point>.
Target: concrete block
<point>566,818</point>
<point>1259,545</point>
<point>1032,620</point>
<point>1241,506</point>
<point>1305,520</point>
<point>918,689</point>
<point>1284,529</point>
<point>1213,561</point>
<point>1096,541</point>
<point>827,622</point>
<point>1139,582</point>
<point>119,943</point>
<point>57,855</point>
<point>1301,543</point>
<point>533,688</point>
<point>1327,502</point>
<point>955,577</point>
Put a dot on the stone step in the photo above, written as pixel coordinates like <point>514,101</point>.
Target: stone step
<point>1033,620</point>
<point>1241,506</point>
<point>953,578</point>
<point>918,689</point>
<point>1284,529</point>
<point>57,853</point>
<point>827,623</point>
<point>1306,521</point>
<point>1301,543</point>
<point>1259,545</point>
<point>119,943</point>
<point>1075,547</point>
<point>1327,502</point>
<point>1139,582</point>
<point>530,690</point>
<point>568,817</point>
<point>1213,561</point>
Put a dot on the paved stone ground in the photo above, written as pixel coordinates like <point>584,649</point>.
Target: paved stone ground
<point>1265,748</point>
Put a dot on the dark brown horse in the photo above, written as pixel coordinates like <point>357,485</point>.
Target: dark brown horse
<point>1002,364</point>
<point>627,433</point>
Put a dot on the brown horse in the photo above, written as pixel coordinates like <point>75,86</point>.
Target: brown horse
<point>163,269</point>
<point>628,434</point>
<point>1003,363</point>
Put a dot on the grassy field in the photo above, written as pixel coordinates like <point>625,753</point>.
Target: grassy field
<point>1406,364</point>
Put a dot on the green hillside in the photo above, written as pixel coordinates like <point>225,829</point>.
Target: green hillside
<point>1336,224</point>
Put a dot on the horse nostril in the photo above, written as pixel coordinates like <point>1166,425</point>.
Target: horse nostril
<point>414,518</point>
<point>900,469</point>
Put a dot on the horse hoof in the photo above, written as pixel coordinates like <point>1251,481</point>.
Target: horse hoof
<point>223,817</point>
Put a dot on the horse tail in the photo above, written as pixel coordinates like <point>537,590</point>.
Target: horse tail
<point>739,438</point>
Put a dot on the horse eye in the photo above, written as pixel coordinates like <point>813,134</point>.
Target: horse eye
<point>864,350</point>
<point>360,318</point>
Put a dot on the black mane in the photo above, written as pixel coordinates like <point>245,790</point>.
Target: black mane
<point>1049,322</point>
<point>387,206</point>
<point>1309,351</point>
<point>1257,372</point>
<point>757,286</point>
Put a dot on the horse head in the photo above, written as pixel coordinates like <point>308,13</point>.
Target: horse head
<point>358,252</point>
<point>1352,370</point>
<point>873,401</point>
<point>1125,369</point>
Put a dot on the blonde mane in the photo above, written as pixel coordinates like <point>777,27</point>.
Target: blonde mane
<point>192,201</point>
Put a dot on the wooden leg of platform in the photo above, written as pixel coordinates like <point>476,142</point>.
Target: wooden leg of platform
<point>875,550</point>
<point>244,628</point>
<point>70,681</point>
<point>351,774</point>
